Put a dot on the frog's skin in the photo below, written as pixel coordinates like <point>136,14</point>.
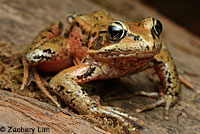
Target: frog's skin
<point>111,49</point>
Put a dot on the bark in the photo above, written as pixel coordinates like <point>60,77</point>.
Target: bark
<point>23,112</point>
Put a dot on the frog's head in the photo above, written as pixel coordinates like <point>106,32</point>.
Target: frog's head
<point>120,39</point>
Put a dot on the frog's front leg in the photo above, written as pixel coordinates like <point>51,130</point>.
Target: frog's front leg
<point>66,85</point>
<point>166,70</point>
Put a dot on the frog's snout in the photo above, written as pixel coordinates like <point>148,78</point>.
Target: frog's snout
<point>38,55</point>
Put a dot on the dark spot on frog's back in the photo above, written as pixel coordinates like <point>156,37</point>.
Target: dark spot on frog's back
<point>94,34</point>
<point>83,32</point>
<point>50,31</point>
<point>77,24</point>
<point>96,18</point>
<point>95,25</point>
<point>72,35</point>
<point>60,25</point>
<point>66,35</point>
<point>71,101</point>
<point>43,37</point>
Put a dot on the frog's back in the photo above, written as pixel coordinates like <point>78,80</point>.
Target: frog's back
<point>95,21</point>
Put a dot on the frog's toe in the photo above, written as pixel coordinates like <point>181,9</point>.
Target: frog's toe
<point>121,116</point>
<point>148,94</point>
<point>151,106</point>
<point>166,100</point>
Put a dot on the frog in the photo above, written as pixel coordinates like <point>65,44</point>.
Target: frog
<point>51,52</point>
<point>112,49</point>
<point>147,31</point>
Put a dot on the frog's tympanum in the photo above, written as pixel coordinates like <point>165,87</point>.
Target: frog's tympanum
<point>96,46</point>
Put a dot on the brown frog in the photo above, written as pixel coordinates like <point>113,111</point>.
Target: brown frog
<point>99,47</point>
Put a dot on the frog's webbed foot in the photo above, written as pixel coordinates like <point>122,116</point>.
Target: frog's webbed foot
<point>166,100</point>
<point>125,116</point>
<point>122,117</point>
<point>115,113</point>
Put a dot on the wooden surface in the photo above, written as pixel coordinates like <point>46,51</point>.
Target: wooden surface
<point>18,111</point>
<point>21,20</point>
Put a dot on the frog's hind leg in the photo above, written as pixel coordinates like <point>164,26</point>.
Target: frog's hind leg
<point>165,100</point>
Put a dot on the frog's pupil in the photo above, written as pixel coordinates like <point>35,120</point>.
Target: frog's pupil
<point>115,32</point>
<point>158,27</point>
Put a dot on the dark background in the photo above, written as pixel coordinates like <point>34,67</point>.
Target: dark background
<point>184,12</point>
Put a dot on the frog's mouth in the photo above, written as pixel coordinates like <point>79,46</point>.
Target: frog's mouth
<point>125,55</point>
<point>123,52</point>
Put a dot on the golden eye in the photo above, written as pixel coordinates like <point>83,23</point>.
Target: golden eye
<point>116,31</point>
<point>157,27</point>
<point>152,24</point>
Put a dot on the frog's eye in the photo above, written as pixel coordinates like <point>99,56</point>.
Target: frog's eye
<point>157,27</point>
<point>116,31</point>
